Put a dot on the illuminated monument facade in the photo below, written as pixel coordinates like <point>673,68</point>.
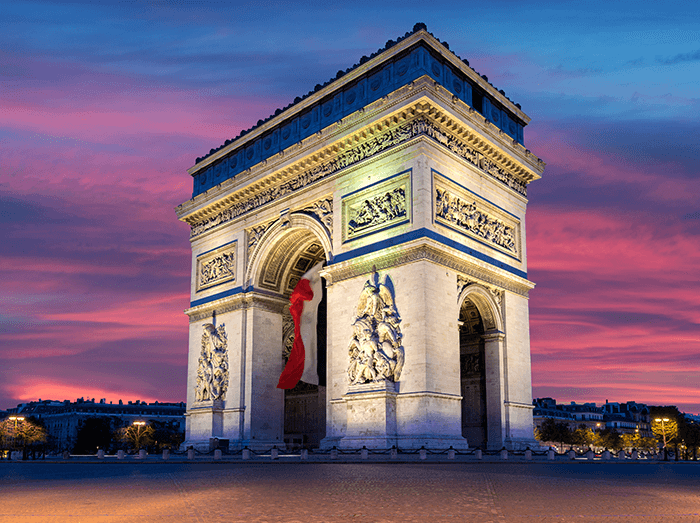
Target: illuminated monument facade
<point>407,175</point>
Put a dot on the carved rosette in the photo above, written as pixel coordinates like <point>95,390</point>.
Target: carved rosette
<point>212,369</point>
<point>375,348</point>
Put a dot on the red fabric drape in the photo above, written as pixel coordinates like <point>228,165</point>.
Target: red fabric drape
<point>295,365</point>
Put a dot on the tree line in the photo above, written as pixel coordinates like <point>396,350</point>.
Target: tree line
<point>669,427</point>
<point>30,436</point>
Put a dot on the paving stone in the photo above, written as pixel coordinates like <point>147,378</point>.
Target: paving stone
<point>368,492</point>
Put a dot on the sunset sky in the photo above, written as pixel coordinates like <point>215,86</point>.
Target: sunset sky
<point>105,105</point>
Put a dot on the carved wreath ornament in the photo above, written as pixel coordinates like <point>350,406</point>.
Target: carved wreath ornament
<point>212,371</point>
<point>375,349</point>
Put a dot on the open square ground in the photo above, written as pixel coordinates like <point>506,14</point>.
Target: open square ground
<point>369,492</point>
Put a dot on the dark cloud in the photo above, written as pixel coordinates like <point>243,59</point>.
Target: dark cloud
<point>680,58</point>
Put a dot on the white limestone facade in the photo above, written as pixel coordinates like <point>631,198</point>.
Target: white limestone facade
<point>413,199</point>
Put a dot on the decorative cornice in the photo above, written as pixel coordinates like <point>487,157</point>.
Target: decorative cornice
<point>424,250</point>
<point>479,135</point>
<point>346,82</point>
<point>236,302</point>
<point>401,132</point>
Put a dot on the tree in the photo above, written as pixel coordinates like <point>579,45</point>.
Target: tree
<point>137,435</point>
<point>166,435</point>
<point>96,433</point>
<point>665,429</point>
<point>583,436</point>
<point>21,433</point>
<point>608,439</point>
<point>550,430</point>
<point>668,424</point>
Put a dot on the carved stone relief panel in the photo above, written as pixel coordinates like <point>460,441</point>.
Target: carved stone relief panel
<point>377,144</point>
<point>287,334</point>
<point>375,350</point>
<point>470,363</point>
<point>377,207</point>
<point>253,235</point>
<point>468,214</point>
<point>216,267</point>
<point>496,293</point>
<point>212,368</point>
<point>323,211</point>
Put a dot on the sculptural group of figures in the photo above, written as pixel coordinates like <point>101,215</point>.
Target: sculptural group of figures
<point>375,349</point>
<point>212,371</point>
<point>220,267</point>
<point>467,216</point>
<point>378,210</point>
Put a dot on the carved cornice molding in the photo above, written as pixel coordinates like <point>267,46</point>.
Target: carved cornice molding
<point>469,142</point>
<point>250,300</point>
<point>405,254</point>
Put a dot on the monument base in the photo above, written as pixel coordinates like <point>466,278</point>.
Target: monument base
<point>371,409</point>
<point>522,444</point>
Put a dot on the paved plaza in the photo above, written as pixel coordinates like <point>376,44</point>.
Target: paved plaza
<point>368,492</point>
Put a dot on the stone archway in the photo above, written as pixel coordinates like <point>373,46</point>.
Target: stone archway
<point>481,367</point>
<point>286,250</point>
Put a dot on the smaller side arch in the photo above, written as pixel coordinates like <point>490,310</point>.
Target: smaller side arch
<point>488,308</point>
<point>276,232</point>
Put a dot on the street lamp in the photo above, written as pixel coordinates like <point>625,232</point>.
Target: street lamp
<point>663,427</point>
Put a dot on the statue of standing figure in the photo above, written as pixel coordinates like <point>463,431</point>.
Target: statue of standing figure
<point>375,348</point>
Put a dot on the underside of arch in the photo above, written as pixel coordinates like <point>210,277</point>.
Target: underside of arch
<point>291,256</point>
<point>288,249</point>
<point>475,297</point>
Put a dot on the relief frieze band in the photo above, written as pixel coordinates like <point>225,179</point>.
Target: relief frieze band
<point>216,267</point>
<point>420,126</point>
<point>468,214</point>
<point>380,206</point>
<point>409,254</point>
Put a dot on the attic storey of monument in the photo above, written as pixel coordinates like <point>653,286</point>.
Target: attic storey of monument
<point>407,176</point>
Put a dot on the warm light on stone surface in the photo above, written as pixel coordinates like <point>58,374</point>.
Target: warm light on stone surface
<point>414,193</point>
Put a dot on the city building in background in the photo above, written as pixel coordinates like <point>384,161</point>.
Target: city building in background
<point>64,419</point>
<point>625,418</point>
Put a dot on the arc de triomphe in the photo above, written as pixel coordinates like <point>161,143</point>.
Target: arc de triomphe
<point>407,175</point>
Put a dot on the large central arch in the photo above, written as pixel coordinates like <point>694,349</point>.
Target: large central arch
<point>289,248</point>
